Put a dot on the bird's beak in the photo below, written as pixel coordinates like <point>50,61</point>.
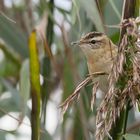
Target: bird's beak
<point>75,43</point>
<point>78,43</point>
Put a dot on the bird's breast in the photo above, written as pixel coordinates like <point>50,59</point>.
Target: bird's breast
<point>100,61</point>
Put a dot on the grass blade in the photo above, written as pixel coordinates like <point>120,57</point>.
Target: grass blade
<point>35,86</point>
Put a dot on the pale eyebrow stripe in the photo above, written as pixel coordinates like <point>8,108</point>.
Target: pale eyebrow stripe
<point>99,38</point>
<point>92,35</point>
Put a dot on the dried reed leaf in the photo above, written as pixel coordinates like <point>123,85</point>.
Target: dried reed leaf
<point>109,111</point>
<point>76,92</point>
<point>94,91</point>
<point>74,95</point>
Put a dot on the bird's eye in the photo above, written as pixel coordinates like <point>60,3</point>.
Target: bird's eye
<point>93,41</point>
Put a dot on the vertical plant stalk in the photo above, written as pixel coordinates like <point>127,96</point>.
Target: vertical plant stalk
<point>35,86</point>
<point>2,6</point>
<point>49,29</point>
<point>129,9</point>
<point>120,127</point>
<point>46,62</point>
<point>75,78</point>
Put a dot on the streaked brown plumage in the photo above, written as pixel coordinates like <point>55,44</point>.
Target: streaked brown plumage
<point>100,52</point>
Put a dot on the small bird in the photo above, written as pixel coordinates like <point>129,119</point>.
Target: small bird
<point>100,53</point>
